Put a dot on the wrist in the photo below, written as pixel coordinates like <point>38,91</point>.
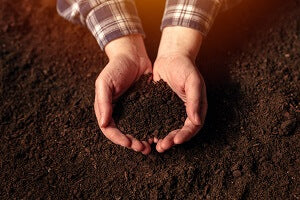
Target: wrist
<point>177,40</point>
<point>131,46</point>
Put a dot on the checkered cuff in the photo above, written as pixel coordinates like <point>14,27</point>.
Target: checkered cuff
<point>196,14</point>
<point>113,19</point>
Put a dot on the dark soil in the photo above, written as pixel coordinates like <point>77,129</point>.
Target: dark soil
<point>52,148</point>
<point>149,110</point>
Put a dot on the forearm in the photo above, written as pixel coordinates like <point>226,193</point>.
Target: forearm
<point>177,40</point>
<point>195,14</point>
<point>131,45</point>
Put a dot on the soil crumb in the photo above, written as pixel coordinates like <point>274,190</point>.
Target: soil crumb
<point>149,110</point>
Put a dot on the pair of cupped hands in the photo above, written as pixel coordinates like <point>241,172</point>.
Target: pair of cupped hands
<point>175,64</point>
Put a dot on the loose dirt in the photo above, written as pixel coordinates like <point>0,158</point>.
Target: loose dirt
<point>149,109</point>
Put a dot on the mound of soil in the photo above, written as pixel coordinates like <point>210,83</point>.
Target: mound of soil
<point>149,110</point>
<point>52,148</point>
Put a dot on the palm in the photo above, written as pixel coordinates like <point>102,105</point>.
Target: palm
<point>185,80</point>
<point>174,71</point>
<point>112,82</point>
<point>120,74</point>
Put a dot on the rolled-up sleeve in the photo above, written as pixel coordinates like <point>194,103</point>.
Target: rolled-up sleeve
<point>196,14</point>
<point>106,19</point>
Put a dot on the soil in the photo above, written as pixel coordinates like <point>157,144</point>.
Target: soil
<point>149,110</point>
<point>52,148</point>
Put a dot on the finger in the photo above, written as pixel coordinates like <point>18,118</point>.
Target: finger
<point>111,132</point>
<point>135,144</point>
<point>155,139</point>
<point>188,131</point>
<point>193,98</point>
<point>97,111</point>
<point>147,148</point>
<point>158,146</point>
<point>116,136</point>
<point>168,141</point>
<point>104,101</point>
<point>150,140</point>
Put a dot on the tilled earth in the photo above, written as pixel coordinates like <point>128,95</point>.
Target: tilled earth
<point>52,148</point>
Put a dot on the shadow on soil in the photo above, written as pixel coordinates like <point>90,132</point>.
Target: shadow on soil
<point>229,35</point>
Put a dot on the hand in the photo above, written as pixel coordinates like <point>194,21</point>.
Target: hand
<point>128,60</point>
<point>175,65</point>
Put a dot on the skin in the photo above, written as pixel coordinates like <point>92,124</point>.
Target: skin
<point>175,64</point>
<point>128,60</point>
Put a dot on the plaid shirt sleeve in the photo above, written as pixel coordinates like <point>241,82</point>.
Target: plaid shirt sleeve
<point>106,19</point>
<point>196,14</point>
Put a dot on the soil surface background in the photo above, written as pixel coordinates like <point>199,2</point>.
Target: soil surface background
<point>52,148</point>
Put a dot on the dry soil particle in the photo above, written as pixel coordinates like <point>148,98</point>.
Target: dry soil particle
<point>149,109</point>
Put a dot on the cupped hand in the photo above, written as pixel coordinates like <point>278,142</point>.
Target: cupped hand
<point>125,66</point>
<point>181,74</point>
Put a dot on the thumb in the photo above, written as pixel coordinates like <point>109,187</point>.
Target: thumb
<point>104,101</point>
<point>193,98</point>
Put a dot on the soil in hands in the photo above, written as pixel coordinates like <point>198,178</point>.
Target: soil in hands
<point>149,110</point>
